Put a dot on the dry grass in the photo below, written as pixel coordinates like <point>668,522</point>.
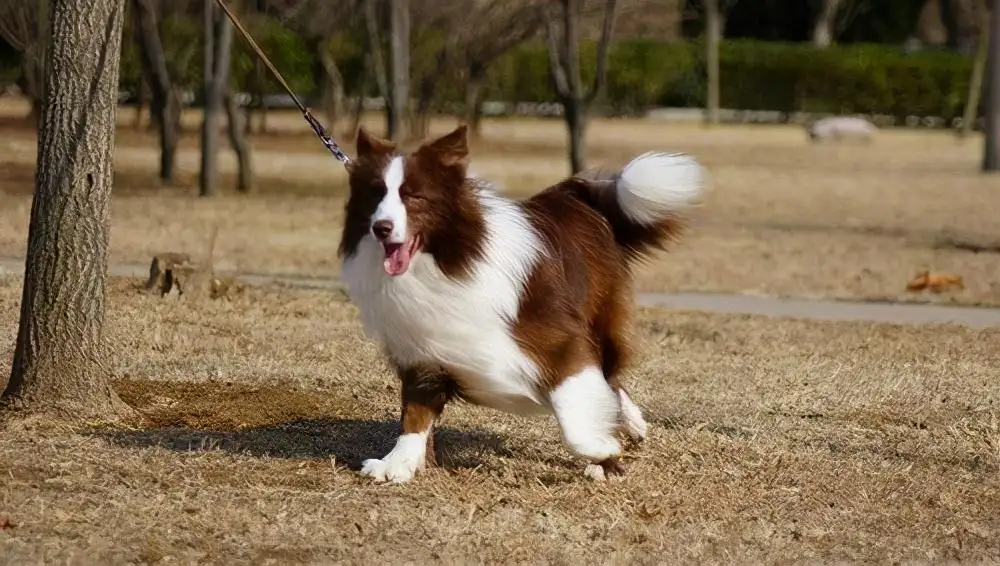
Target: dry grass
<point>784,217</point>
<point>771,441</point>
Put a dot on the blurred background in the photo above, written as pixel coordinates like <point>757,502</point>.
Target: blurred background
<point>551,87</point>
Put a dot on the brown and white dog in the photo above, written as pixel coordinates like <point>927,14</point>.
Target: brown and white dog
<point>521,306</point>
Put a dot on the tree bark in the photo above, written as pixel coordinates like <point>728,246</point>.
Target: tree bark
<point>826,22</point>
<point>426,91</point>
<point>61,359</point>
<point>576,121</point>
<point>474,98</point>
<point>364,82</point>
<point>399,69</point>
<point>218,49</point>
<point>976,81</point>
<point>240,144</point>
<point>165,103</point>
<point>375,55</point>
<point>713,34</point>
<point>334,91</point>
<point>991,147</point>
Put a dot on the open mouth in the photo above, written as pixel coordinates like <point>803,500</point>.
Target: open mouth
<point>399,255</point>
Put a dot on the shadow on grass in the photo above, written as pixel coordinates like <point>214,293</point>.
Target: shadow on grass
<point>276,423</point>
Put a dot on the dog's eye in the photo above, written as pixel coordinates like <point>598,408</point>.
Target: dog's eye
<point>409,193</point>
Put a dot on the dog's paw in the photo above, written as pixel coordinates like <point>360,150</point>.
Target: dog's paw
<point>608,469</point>
<point>392,468</point>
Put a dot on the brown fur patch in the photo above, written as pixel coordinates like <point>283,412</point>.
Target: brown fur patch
<point>576,310</point>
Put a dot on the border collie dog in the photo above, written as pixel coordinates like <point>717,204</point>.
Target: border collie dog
<point>520,306</point>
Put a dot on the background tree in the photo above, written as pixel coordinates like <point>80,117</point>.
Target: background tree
<point>24,25</point>
<point>991,147</point>
<point>826,22</point>
<point>165,107</point>
<point>562,33</point>
<point>399,69</point>
<point>511,23</point>
<point>715,25</point>
<point>61,358</point>
<point>218,56</point>
<point>978,71</point>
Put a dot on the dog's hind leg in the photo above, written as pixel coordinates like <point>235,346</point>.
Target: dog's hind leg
<point>588,412</point>
<point>612,333</point>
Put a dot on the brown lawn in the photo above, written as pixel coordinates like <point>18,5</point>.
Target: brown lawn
<point>783,217</point>
<point>771,441</point>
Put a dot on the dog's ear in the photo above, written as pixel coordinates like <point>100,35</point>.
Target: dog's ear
<point>368,144</point>
<point>450,150</point>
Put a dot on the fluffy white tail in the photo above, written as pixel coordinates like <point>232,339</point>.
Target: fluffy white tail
<point>656,186</point>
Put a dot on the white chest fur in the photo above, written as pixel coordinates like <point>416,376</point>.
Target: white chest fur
<point>423,316</point>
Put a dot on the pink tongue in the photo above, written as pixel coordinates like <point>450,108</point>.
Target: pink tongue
<point>397,259</point>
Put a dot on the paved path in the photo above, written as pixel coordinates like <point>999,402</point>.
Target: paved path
<point>895,313</point>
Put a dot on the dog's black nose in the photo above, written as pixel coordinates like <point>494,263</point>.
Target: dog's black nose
<point>382,229</point>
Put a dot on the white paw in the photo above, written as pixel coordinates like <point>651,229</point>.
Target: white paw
<point>633,423</point>
<point>594,472</point>
<point>400,464</point>
<point>389,469</point>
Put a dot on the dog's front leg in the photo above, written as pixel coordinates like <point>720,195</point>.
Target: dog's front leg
<point>425,391</point>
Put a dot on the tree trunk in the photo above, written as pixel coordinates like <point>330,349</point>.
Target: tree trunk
<point>240,144</point>
<point>826,22</point>
<point>334,89</point>
<point>976,81</point>
<point>474,98</point>
<point>950,23</point>
<point>375,58</point>
<point>426,92</point>
<point>140,102</point>
<point>991,149</point>
<point>61,359</point>
<point>399,69</point>
<point>364,82</point>
<point>165,102</point>
<point>576,122</point>
<point>218,47</point>
<point>713,34</point>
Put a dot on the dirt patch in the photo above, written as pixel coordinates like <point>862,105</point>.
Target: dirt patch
<point>271,421</point>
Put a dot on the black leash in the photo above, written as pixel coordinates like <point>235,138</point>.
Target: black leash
<point>324,137</point>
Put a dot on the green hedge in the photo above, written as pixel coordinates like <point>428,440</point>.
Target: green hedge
<point>755,75</point>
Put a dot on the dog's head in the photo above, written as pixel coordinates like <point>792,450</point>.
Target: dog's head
<point>412,203</point>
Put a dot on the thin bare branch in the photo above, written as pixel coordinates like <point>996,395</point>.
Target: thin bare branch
<point>557,70</point>
<point>607,29</point>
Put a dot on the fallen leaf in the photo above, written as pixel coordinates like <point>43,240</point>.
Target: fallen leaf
<point>936,282</point>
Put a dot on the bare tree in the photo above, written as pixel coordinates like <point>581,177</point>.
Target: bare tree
<point>319,21</point>
<point>991,148</point>
<point>238,140</point>
<point>833,17</point>
<point>512,23</point>
<point>218,50</point>
<point>978,71</point>
<point>24,25</point>
<point>166,107</point>
<point>399,69</point>
<point>824,27</point>
<point>470,49</point>
<point>563,40</point>
<point>375,66</point>
<point>61,358</point>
